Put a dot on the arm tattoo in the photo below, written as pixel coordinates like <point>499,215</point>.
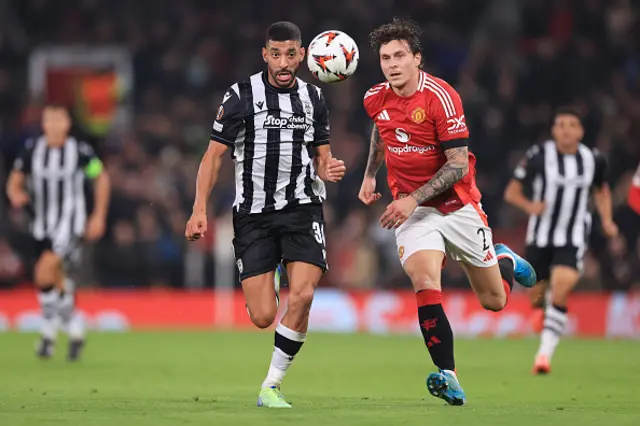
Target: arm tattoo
<point>376,153</point>
<point>456,167</point>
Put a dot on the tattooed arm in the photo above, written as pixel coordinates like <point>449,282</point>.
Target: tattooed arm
<point>376,153</point>
<point>376,156</point>
<point>456,167</point>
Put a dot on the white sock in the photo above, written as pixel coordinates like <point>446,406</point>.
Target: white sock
<point>48,301</point>
<point>555,322</point>
<point>72,321</point>
<point>281,360</point>
<point>75,326</point>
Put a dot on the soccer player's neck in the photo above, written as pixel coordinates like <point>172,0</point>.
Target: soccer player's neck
<point>567,148</point>
<point>55,141</point>
<point>408,88</point>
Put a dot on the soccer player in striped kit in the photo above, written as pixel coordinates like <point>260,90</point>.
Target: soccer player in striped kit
<point>48,179</point>
<point>553,185</point>
<point>276,128</point>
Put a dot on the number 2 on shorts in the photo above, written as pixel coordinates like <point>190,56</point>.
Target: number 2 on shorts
<point>485,247</point>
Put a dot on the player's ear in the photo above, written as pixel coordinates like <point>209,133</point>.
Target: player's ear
<point>303,52</point>
<point>264,54</point>
<point>418,59</point>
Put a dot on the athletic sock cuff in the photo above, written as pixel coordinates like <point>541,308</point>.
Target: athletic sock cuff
<point>428,297</point>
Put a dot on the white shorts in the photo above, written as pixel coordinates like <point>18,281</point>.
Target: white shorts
<point>462,235</point>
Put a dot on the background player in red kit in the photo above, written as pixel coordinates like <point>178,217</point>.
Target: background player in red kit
<point>421,134</point>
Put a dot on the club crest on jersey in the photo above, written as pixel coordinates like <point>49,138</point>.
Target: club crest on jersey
<point>400,252</point>
<point>294,122</point>
<point>418,115</point>
<point>308,108</point>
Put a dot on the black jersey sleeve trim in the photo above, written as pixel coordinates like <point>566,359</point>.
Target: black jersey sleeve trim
<point>454,143</point>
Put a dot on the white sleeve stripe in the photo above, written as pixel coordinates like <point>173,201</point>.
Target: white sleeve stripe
<point>447,103</point>
<point>236,89</point>
<point>443,101</point>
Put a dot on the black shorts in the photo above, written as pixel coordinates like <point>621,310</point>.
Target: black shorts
<point>69,252</point>
<point>544,258</point>
<point>294,234</point>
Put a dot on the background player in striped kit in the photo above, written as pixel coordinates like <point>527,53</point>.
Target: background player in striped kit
<point>48,178</point>
<point>552,184</point>
<point>277,128</point>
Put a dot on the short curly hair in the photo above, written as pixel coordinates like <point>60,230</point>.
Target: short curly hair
<point>398,29</point>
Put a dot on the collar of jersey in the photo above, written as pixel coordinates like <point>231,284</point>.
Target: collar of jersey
<point>279,89</point>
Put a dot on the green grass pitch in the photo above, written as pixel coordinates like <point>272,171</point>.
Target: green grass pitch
<point>189,378</point>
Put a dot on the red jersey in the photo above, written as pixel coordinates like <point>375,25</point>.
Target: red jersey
<point>412,129</point>
<point>634,192</point>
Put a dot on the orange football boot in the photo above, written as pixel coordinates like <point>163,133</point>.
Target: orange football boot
<point>542,365</point>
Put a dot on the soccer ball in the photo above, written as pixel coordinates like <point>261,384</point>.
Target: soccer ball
<point>332,56</point>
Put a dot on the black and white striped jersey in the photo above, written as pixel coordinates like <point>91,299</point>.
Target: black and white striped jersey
<point>272,133</point>
<point>563,182</point>
<point>55,181</point>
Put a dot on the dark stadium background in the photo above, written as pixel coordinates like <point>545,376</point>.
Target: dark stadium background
<point>512,61</point>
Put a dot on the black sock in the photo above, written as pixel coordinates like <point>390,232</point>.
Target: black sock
<point>286,344</point>
<point>435,328</point>
<point>46,288</point>
<point>506,270</point>
<point>562,309</point>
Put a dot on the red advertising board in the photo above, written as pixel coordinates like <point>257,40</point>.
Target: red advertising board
<point>591,314</point>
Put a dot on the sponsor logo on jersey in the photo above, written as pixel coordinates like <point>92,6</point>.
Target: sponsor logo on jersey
<point>294,122</point>
<point>418,115</point>
<point>402,135</point>
<point>220,113</point>
<point>410,148</point>
<point>457,124</point>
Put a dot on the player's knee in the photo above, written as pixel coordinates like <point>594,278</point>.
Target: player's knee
<point>425,281</point>
<point>494,302</point>
<point>263,318</point>
<point>301,297</point>
<point>46,270</point>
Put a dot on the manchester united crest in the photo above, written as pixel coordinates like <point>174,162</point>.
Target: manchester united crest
<point>418,115</point>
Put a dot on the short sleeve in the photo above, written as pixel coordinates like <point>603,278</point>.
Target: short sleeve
<point>230,118</point>
<point>600,175</point>
<point>527,167</point>
<point>22,162</point>
<point>446,111</point>
<point>322,128</point>
<point>89,161</point>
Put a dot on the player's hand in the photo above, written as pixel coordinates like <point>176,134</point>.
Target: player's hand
<point>95,227</point>
<point>19,199</point>
<point>536,208</point>
<point>398,212</point>
<point>367,194</point>
<point>610,229</point>
<point>332,170</point>
<point>196,226</point>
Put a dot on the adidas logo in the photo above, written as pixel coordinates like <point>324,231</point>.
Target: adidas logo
<point>384,115</point>
<point>488,257</point>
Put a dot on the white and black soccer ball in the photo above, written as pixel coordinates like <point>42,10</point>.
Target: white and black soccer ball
<point>332,56</point>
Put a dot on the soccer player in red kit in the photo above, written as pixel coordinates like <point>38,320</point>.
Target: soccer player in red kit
<point>421,134</point>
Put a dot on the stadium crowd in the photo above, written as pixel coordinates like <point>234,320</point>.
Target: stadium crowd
<point>512,61</point>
